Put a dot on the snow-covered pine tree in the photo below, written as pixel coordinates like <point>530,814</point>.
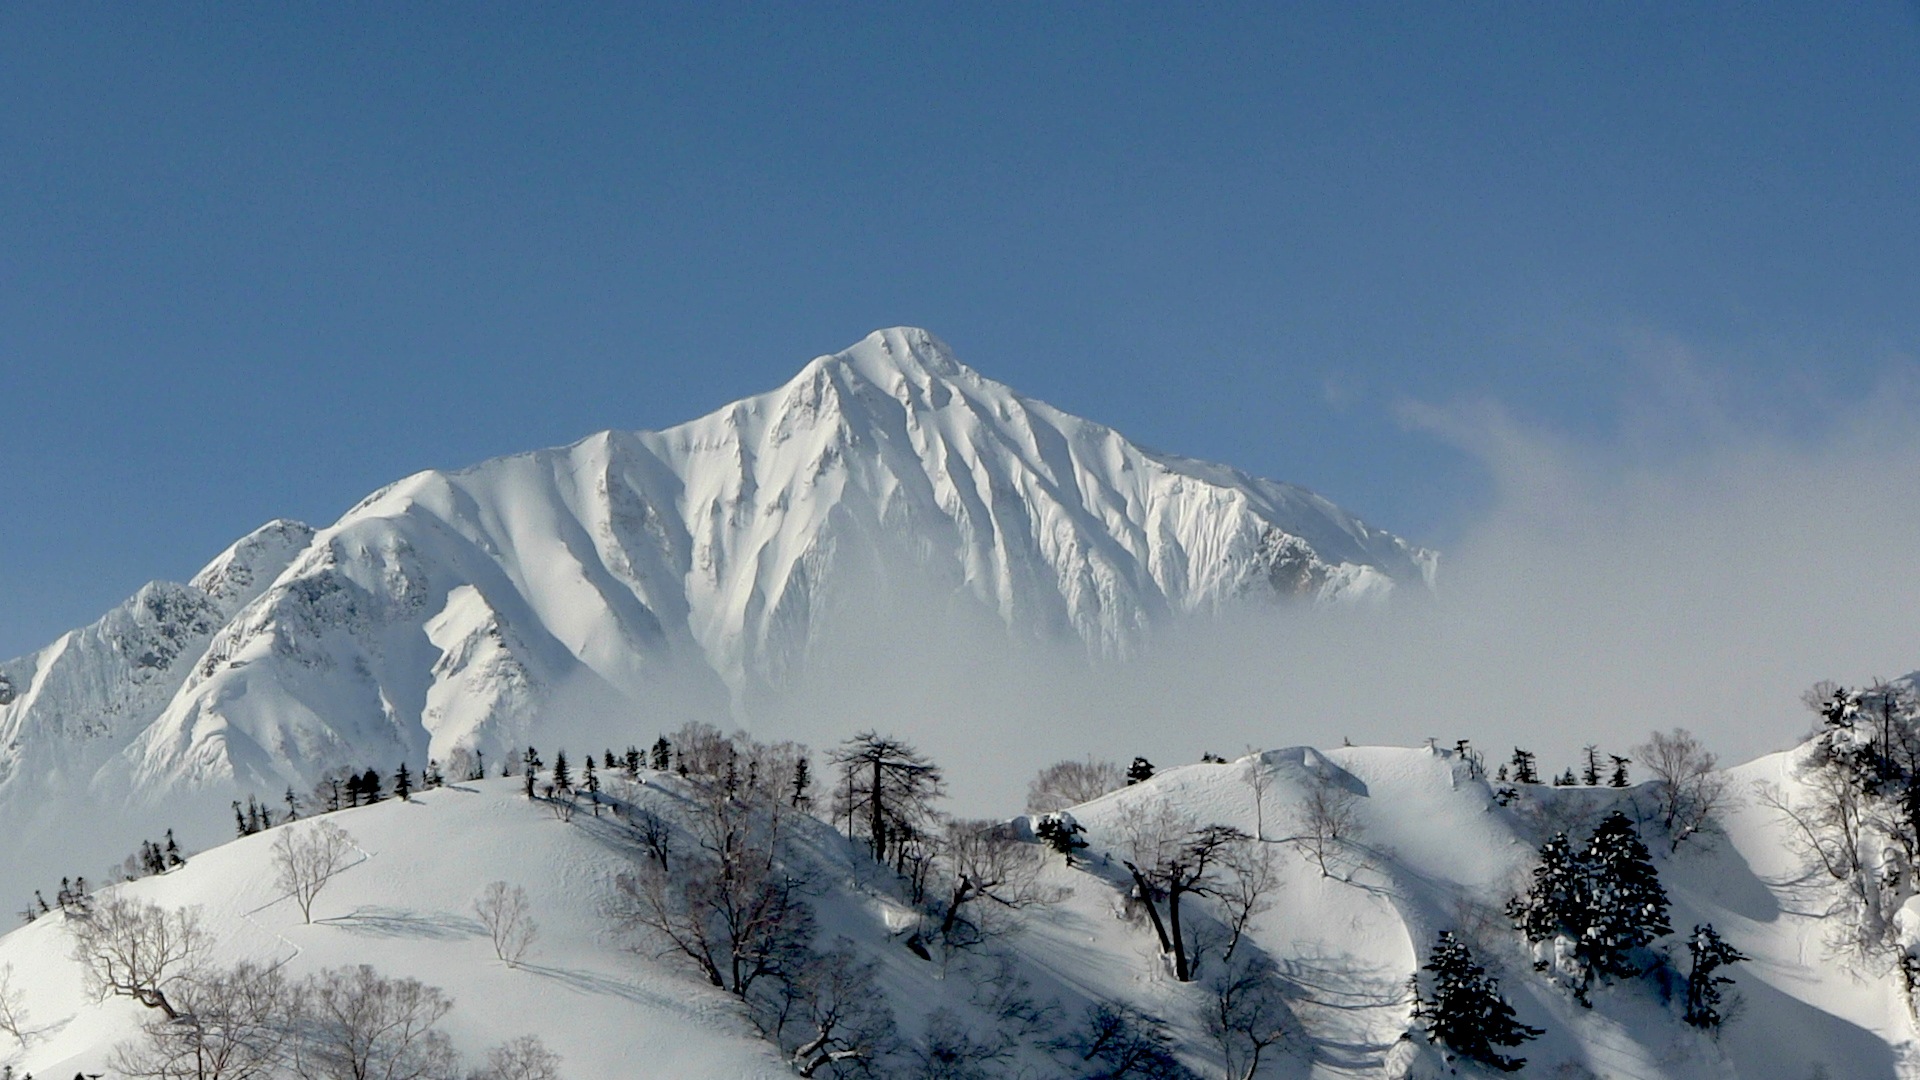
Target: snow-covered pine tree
<point>562,776</point>
<point>1141,769</point>
<point>1629,903</point>
<point>590,780</point>
<point>1559,900</point>
<point>1465,1012</point>
<point>1709,952</point>
<point>403,783</point>
<point>1524,771</point>
<point>662,754</point>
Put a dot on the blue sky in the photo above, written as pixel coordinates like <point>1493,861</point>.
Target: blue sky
<point>256,261</point>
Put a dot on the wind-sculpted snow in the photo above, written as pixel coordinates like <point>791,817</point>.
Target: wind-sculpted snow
<point>658,574</point>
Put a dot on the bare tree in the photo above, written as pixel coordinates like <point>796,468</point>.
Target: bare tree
<point>1190,866</point>
<point>504,911</point>
<point>1260,779</point>
<point>132,948</point>
<point>985,862</point>
<point>13,1009</point>
<point>1245,1015</point>
<point>1689,792</point>
<point>1119,1040</point>
<point>356,1025</point>
<point>235,1025</point>
<point>825,1016</point>
<point>1070,783</point>
<point>524,1058</point>
<point>1249,875</point>
<point>732,906</point>
<point>306,857</point>
<point>1326,823</point>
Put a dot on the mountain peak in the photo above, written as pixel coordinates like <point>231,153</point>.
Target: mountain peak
<point>886,356</point>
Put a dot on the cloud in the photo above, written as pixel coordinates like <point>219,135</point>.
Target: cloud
<point>1698,566</point>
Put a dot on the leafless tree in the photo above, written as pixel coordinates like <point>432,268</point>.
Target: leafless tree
<point>524,1058</point>
<point>356,1024</point>
<point>985,863</point>
<point>1249,874</point>
<point>825,1015</point>
<point>1689,793</point>
<point>1070,783</point>
<point>504,911</point>
<point>1260,779</point>
<point>132,948</point>
<point>13,1009</point>
<point>886,794</point>
<point>1188,866</point>
<point>731,906</point>
<point>306,857</point>
<point>1118,1040</point>
<point>235,1024</point>
<point>1245,1015</point>
<point>1326,824</point>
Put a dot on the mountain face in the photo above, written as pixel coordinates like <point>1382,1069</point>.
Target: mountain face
<point>688,569</point>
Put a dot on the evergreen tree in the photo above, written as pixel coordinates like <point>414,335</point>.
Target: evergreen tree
<point>633,763</point>
<point>562,776</point>
<point>1061,833</point>
<point>1465,1011</point>
<point>403,783</point>
<point>532,761</point>
<point>1523,767</point>
<point>239,820</point>
<point>1590,775</point>
<point>1619,777</point>
<point>800,797</point>
<point>293,805</point>
<point>608,763</point>
<point>662,754</point>
<point>174,858</point>
<point>1629,904</point>
<point>479,764</point>
<point>1141,769</point>
<point>353,790</point>
<point>333,794</point>
<point>253,815</point>
<point>370,786</point>
<point>589,780</point>
<point>1709,952</point>
<point>1565,779</point>
<point>1559,900</point>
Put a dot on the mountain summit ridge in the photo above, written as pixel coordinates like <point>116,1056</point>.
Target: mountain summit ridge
<point>687,567</point>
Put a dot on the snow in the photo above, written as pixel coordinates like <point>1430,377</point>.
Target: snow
<point>680,573</point>
<point>1435,852</point>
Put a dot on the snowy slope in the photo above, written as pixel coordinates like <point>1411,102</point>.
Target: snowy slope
<point>657,574</point>
<point>1435,852</point>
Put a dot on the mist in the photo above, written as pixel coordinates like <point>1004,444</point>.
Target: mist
<point>1695,567</point>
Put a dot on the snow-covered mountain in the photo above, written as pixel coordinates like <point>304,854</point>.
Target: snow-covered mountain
<point>672,574</point>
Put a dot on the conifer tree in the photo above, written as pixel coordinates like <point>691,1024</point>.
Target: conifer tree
<point>293,805</point>
<point>1558,901</point>
<point>403,783</point>
<point>1629,903</point>
<point>800,797</point>
<point>370,786</point>
<point>1590,774</point>
<point>608,762</point>
<point>239,819</point>
<point>589,780</point>
<point>662,754</point>
<point>1141,769</point>
<point>1709,952</point>
<point>562,776</point>
<point>532,761</point>
<point>1619,777</point>
<point>633,763</point>
<point>174,858</point>
<point>353,790</point>
<point>1465,1012</point>
<point>1523,767</point>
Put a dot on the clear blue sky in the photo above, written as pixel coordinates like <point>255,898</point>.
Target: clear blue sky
<point>257,260</point>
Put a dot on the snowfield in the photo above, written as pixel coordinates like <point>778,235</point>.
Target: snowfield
<point>1430,848</point>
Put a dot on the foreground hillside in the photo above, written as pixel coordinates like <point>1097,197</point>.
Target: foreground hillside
<point>1426,846</point>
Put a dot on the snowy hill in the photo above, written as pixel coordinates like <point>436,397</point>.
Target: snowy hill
<point>1430,848</point>
<point>658,575</point>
